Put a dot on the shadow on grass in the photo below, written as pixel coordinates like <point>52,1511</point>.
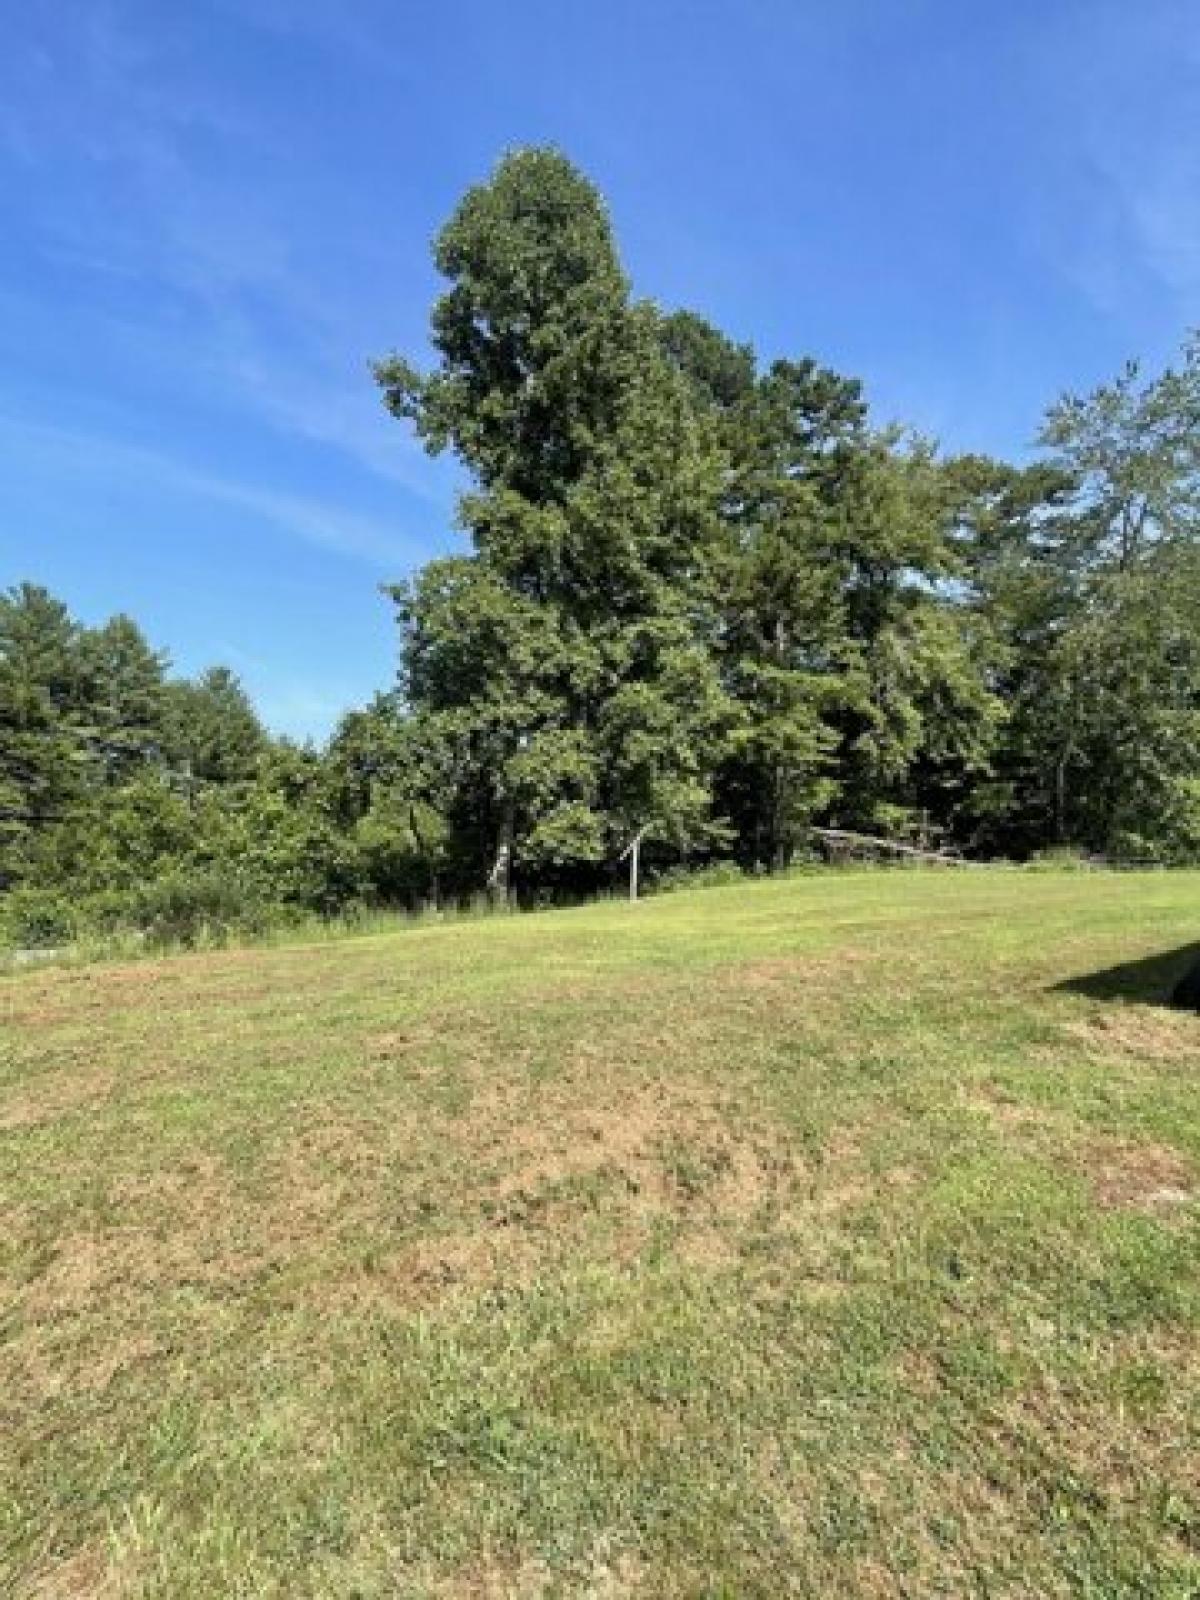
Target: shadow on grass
<point>1151,980</point>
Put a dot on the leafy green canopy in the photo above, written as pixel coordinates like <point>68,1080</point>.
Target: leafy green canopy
<point>707,602</point>
<point>563,674</point>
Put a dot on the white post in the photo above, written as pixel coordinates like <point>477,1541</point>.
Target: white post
<point>634,851</point>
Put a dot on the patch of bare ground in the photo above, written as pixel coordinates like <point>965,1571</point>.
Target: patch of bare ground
<point>85,1575</point>
<point>172,1227</point>
<point>542,1170</point>
<point>658,1149</point>
<point>177,1228</point>
<point>418,1048</point>
<point>60,1096</point>
<point>1133,1176</point>
<point>622,1147</point>
<point>1071,1431</point>
<point>429,1271</point>
<point>489,1198</point>
<point>394,1044</point>
<point>497,1579</point>
<point>796,989</point>
<point>63,996</point>
<point>536,1177</point>
<point>36,1012</point>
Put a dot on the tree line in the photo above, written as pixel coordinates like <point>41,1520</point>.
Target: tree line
<point>708,601</point>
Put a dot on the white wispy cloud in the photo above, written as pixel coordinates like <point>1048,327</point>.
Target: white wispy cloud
<point>104,459</point>
<point>327,409</point>
<point>1127,107</point>
<point>238,304</point>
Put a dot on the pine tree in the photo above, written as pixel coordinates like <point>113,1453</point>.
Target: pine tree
<point>125,701</point>
<point>41,758</point>
<point>212,732</point>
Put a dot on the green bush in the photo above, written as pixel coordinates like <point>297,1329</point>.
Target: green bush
<point>109,912</point>
<point>198,907</point>
<point>37,919</point>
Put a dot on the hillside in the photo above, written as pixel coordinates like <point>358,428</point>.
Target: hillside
<point>826,1236</point>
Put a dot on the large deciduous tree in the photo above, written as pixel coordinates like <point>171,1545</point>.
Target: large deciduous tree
<point>1132,449</point>
<point>1086,569</point>
<point>565,666</point>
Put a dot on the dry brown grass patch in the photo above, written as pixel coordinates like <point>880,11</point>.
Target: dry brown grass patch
<point>1138,1177</point>
<point>86,1575</point>
<point>60,1096</point>
<point>1123,1174</point>
<point>1150,1033</point>
<point>798,971</point>
<point>538,1169</point>
<point>606,1576</point>
<point>663,1149</point>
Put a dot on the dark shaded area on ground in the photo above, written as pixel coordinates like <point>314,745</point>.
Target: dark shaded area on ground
<point>1169,978</point>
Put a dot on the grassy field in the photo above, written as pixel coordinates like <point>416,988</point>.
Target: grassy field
<point>829,1237</point>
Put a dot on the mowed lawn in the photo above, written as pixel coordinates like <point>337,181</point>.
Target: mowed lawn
<point>834,1237</point>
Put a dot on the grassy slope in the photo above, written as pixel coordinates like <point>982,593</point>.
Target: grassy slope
<point>799,1238</point>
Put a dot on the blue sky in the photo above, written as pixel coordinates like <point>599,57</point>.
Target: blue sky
<point>216,212</point>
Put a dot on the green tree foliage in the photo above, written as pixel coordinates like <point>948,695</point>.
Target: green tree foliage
<point>860,688</point>
<point>211,730</point>
<point>123,688</point>
<point>1083,566</point>
<point>390,794</point>
<point>783,582</point>
<point>40,708</point>
<point>720,374</point>
<point>1132,450</point>
<point>564,671</point>
<point>116,836</point>
<point>1128,676</point>
<point>706,601</point>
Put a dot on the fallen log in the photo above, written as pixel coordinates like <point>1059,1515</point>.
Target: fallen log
<point>848,843</point>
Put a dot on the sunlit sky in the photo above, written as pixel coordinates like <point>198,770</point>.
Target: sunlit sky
<point>214,213</point>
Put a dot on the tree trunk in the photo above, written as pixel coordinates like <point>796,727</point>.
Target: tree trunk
<point>434,896</point>
<point>1060,796</point>
<point>499,883</point>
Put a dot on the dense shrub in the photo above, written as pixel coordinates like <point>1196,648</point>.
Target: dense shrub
<point>106,913</point>
<point>37,919</point>
<point>196,907</point>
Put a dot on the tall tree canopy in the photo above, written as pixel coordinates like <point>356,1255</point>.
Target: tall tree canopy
<point>707,601</point>
<point>565,668</point>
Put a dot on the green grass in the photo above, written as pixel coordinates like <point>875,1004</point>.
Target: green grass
<point>827,1237</point>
